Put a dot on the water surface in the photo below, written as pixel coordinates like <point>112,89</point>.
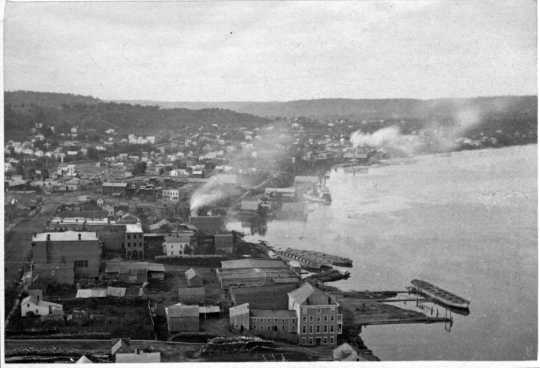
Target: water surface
<point>465,221</point>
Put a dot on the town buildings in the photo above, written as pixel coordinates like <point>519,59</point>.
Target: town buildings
<point>319,318</point>
<point>239,317</point>
<point>34,304</point>
<point>80,251</point>
<point>134,242</point>
<point>182,317</point>
<point>172,195</point>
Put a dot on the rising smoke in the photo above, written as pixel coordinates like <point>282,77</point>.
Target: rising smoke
<point>434,137</point>
<point>258,158</point>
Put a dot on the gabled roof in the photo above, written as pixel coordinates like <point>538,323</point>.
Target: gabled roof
<point>252,263</point>
<point>83,359</point>
<point>311,295</point>
<point>239,309</point>
<point>121,346</point>
<point>191,273</point>
<point>302,293</point>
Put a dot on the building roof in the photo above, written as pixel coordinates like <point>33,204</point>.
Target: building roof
<point>154,357</point>
<point>65,236</point>
<point>83,360</point>
<point>182,310</point>
<point>271,313</point>
<point>191,273</point>
<point>116,291</point>
<point>91,293</point>
<point>290,190</point>
<point>206,309</point>
<point>306,179</point>
<point>239,309</point>
<point>126,267</point>
<point>38,301</point>
<point>115,185</point>
<point>81,220</point>
<point>121,346</point>
<point>133,228</point>
<point>252,263</point>
<point>249,205</point>
<point>310,295</point>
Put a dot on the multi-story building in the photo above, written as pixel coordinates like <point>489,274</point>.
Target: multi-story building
<point>274,324</point>
<point>78,250</point>
<point>172,195</point>
<point>178,243</point>
<point>239,317</point>
<point>134,243</point>
<point>111,234</point>
<point>319,318</point>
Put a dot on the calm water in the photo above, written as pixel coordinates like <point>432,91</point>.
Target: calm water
<point>465,221</point>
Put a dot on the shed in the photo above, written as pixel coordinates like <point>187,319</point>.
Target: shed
<point>182,317</point>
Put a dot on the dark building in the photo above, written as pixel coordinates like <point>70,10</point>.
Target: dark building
<point>80,251</point>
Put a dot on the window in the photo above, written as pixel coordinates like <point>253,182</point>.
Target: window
<point>310,318</point>
<point>81,263</point>
<point>325,318</point>
<point>325,328</point>
<point>304,329</point>
<point>318,328</point>
<point>304,318</point>
<point>324,340</point>
<point>332,317</point>
<point>331,328</point>
<point>310,329</point>
<point>331,339</point>
<point>311,341</point>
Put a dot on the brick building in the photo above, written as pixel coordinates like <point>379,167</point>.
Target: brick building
<point>80,251</point>
<point>319,318</point>
<point>134,242</point>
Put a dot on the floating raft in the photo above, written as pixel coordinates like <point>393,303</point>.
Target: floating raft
<point>440,295</point>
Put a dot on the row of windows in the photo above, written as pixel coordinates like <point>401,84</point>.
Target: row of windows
<point>135,236</point>
<point>325,318</point>
<point>135,244</point>
<point>318,329</point>
<point>81,263</point>
<point>310,340</point>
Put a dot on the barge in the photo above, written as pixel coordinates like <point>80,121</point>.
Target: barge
<point>313,260</point>
<point>439,295</point>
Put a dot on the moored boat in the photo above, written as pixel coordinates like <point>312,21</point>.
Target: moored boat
<point>440,295</point>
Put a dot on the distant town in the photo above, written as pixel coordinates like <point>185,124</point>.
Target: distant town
<point>117,247</point>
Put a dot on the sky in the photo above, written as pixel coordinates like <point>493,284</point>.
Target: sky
<point>272,51</point>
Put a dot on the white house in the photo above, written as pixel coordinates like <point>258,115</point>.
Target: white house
<point>170,194</point>
<point>34,304</point>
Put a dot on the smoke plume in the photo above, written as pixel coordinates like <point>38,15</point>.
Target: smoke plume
<point>257,159</point>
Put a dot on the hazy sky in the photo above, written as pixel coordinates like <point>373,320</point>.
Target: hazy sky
<point>279,50</point>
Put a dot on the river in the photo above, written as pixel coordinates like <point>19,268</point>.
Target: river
<point>466,221</point>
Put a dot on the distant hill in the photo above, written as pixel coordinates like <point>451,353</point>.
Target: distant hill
<point>364,108</point>
<point>20,99</point>
<point>24,109</point>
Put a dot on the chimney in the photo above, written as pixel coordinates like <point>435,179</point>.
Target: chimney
<point>79,236</point>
